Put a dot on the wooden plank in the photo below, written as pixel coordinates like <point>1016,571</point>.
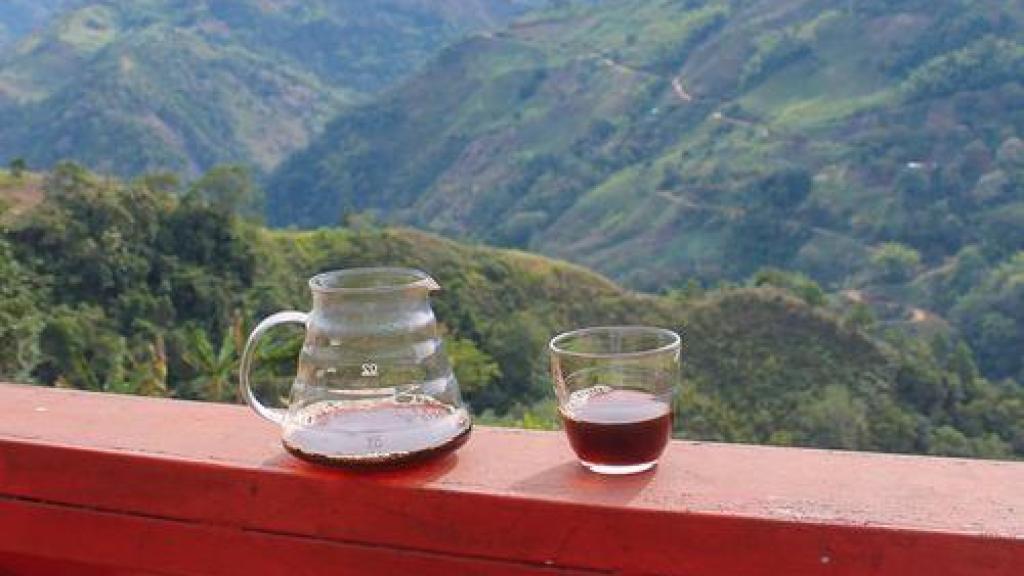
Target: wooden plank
<point>21,564</point>
<point>515,496</point>
<point>103,543</point>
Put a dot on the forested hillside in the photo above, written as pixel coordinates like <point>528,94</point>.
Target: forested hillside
<point>20,17</point>
<point>826,197</point>
<point>873,145</point>
<point>149,287</point>
<point>129,86</point>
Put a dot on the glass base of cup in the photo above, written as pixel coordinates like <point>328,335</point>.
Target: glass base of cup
<point>620,469</point>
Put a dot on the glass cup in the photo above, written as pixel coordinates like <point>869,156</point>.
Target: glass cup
<point>615,386</point>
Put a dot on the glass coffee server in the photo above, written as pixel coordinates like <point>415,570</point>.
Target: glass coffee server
<point>374,386</point>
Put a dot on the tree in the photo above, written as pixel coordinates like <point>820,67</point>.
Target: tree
<point>68,178</point>
<point>773,51</point>
<point>991,316</point>
<point>990,187</point>
<point>859,317</point>
<point>474,369</point>
<point>19,316</point>
<point>975,159</point>
<point>147,373</point>
<point>948,441</point>
<point>835,420</point>
<point>784,189</point>
<point>517,345</point>
<point>165,182</point>
<point>799,284</point>
<point>921,385</point>
<point>79,349</point>
<point>986,62</point>
<point>1011,153</point>
<point>671,179</point>
<point>214,369</point>
<point>232,189</point>
<point>1003,232</point>
<point>968,270</point>
<point>913,186</point>
<point>895,262</point>
<point>18,166</point>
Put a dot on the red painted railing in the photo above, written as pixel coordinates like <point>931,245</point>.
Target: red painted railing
<point>99,484</point>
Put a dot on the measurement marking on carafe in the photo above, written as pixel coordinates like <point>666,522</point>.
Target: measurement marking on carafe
<point>369,369</point>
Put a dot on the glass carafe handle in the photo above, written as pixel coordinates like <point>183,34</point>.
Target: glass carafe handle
<point>245,390</point>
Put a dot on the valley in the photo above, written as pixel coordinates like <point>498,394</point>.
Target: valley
<point>165,85</point>
<point>659,142</point>
<point>826,197</point>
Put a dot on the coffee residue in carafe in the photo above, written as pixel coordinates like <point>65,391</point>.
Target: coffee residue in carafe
<point>376,434</point>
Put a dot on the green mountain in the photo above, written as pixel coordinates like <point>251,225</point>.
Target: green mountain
<point>130,86</point>
<point>660,141</point>
<point>147,289</point>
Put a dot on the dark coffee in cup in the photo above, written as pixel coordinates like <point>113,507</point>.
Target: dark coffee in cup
<point>617,427</point>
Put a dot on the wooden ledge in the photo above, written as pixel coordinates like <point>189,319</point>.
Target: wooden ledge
<point>102,484</point>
